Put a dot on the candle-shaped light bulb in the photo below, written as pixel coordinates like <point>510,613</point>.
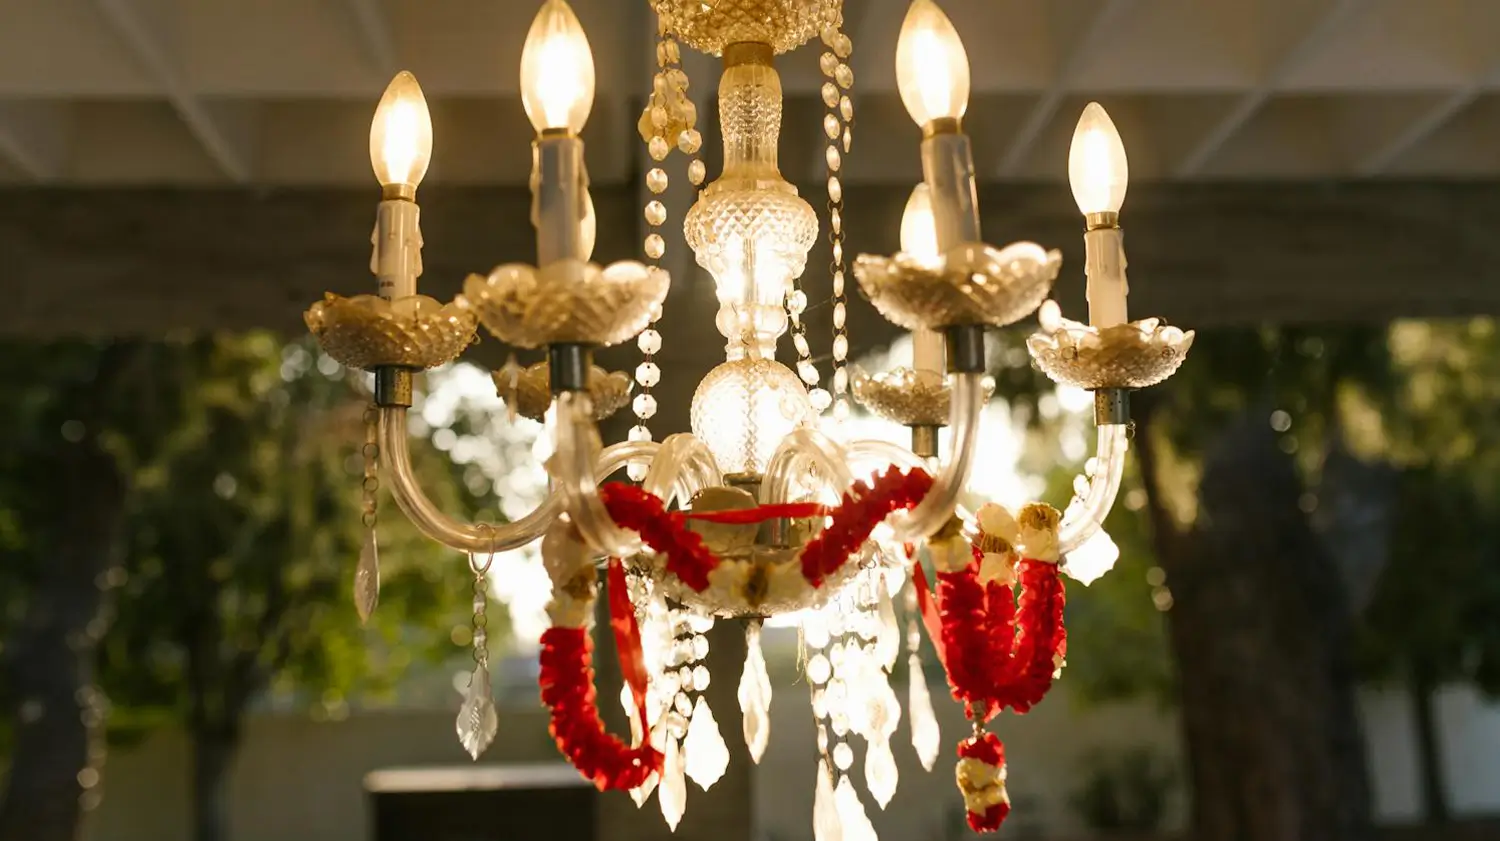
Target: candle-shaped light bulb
<point>932,69</point>
<point>1097,167</point>
<point>919,227</point>
<point>557,70</point>
<point>401,134</point>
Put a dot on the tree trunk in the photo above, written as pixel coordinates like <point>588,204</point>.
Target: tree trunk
<point>1260,630</point>
<point>213,753</point>
<point>1429,751</point>
<point>50,666</point>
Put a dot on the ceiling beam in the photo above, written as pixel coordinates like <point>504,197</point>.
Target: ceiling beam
<point>1045,108</point>
<point>1426,124</point>
<point>1336,16</point>
<point>375,35</point>
<point>34,138</point>
<point>147,261</point>
<point>224,131</point>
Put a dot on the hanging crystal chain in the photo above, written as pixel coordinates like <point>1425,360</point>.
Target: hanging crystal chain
<point>367,573</point>
<point>838,125</point>
<point>477,721</point>
<point>668,109</point>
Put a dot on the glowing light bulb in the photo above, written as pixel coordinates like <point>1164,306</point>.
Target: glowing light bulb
<point>401,133</point>
<point>557,70</point>
<point>932,69</point>
<point>1097,167</point>
<point>919,226</point>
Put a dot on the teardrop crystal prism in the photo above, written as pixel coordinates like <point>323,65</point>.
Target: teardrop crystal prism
<point>852,818</point>
<point>477,721</point>
<point>705,756</point>
<point>755,696</point>
<point>888,639</point>
<point>925,733</point>
<point>367,579</point>
<point>826,824</point>
<point>672,791</point>
<point>641,793</point>
<point>881,774</point>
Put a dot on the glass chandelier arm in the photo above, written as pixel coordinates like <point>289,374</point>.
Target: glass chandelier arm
<point>1085,515</point>
<point>430,520</point>
<point>683,466</point>
<point>472,537</point>
<point>870,455</point>
<point>576,439</point>
<point>805,449</point>
<point>940,503</point>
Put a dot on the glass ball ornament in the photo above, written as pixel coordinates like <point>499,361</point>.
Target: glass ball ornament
<point>743,409</point>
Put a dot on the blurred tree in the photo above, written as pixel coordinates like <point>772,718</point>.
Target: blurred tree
<point>1434,613</point>
<point>62,498</point>
<point>242,531</point>
<point>1257,621</point>
<point>1397,464</point>
<point>1230,454</point>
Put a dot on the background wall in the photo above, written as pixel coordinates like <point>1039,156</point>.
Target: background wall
<point>299,780</point>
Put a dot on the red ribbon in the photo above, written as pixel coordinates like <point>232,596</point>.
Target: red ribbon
<point>627,639</point>
<point>761,513</point>
<point>928,607</point>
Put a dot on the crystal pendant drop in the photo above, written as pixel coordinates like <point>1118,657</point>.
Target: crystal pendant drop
<point>705,756</point>
<point>925,734</point>
<point>641,793</point>
<point>888,639</point>
<point>367,578</point>
<point>826,825</point>
<point>477,722</point>
<point>856,824</point>
<point>755,696</point>
<point>672,791</point>
<point>881,774</point>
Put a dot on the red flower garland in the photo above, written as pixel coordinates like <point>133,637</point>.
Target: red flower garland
<point>567,682</point>
<point>862,508</point>
<point>996,654</point>
<point>567,675</point>
<point>1043,641</point>
<point>991,752</point>
<point>999,655</point>
<point>966,634</point>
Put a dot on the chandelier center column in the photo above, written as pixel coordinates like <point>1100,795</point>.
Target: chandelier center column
<point>752,232</point>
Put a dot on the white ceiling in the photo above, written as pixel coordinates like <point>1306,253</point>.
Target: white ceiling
<point>279,92</point>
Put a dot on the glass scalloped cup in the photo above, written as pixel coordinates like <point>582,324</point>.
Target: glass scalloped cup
<point>530,393</point>
<point>1134,355</point>
<point>367,331</point>
<point>908,397</point>
<point>709,27</point>
<point>567,302</point>
<point>973,284</point>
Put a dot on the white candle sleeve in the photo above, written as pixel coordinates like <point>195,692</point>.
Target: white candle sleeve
<point>1107,286</point>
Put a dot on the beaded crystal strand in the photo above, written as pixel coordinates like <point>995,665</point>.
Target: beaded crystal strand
<point>838,126</point>
<point>670,119</point>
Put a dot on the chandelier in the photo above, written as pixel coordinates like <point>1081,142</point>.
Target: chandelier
<point>767,507</point>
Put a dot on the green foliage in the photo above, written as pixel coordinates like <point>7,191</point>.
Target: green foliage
<point>1418,396</point>
<point>242,456</point>
<point>1118,648</point>
<point>1117,630</point>
<point>1435,615</point>
<point>1124,790</point>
